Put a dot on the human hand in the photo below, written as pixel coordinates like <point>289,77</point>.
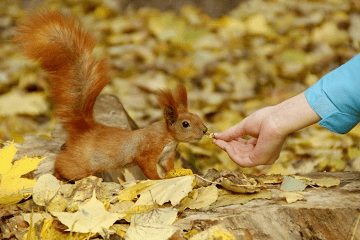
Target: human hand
<point>263,147</point>
<point>268,129</point>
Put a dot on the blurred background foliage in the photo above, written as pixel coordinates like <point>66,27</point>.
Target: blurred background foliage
<point>234,57</point>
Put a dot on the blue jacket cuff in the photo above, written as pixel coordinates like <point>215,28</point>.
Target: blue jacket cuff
<point>335,97</point>
<point>331,117</point>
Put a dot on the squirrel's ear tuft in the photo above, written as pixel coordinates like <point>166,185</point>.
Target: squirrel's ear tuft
<point>180,97</point>
<point>169,106</point>
<point>170,115</point>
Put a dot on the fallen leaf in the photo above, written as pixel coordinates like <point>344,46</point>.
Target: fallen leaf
<point>326,182</point>
<point>178,172</point>
<point>214,232</point>
<point>292,197</point>
<point>45,189</point>
<point>292,184</point>
<point>17,102</point>
<point>153,225</point>
<point>137,210</point>
<point>165,190</point>
<point>205,196</point>
<point>257,24</point>
<point>353,152</point>
<point>13,186</point>
<point>131,192</point>
<point>120,229</point>
<point>35,217</point>
<point>91,217</point>
<point>239,188</point>
<point>232,199</point>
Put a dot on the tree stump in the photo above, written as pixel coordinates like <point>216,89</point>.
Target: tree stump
<point>327,214</point>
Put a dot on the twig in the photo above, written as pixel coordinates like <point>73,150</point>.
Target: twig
<point>355,227</point>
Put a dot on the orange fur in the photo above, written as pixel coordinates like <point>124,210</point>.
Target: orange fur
<point>180,97</point>
<point>64,50</point>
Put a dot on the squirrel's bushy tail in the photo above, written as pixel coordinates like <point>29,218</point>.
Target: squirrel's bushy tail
<point>64,51</point>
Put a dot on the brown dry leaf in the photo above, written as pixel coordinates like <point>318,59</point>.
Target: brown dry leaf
<point>238,182</point>
<point>239,188</point>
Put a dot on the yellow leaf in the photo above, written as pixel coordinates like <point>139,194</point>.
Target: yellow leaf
<point>6,156</point>
<point>12,185</point>
<point>47,231</point>
<point>136,210</point>
<point>155,224</point>
<point>103,12</point>
<point>178,172</point>
<point>234,199</point>
<point>205,197</point>
<point>130,193</point>
<point>16,102</point>
<point>292,197</point>
<point>23,166</point>
<point>165,190</point>
<point>355,131</point>
<point>10,199</point>
<point>91,217</point>
<point>214,232</point>
<point>257,25</point>
<point>31,233</point>
<point>326,182</point>
<point>353,152</point>
<point>45,189</point>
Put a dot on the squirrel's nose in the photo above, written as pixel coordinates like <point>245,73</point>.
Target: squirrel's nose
<point>205,130</point>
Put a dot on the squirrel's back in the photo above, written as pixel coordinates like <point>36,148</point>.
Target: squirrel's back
<point>64,50</point>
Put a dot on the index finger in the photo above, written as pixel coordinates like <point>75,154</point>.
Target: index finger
<point>233,132</point>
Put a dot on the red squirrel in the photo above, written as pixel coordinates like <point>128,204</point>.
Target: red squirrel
<point>64,50</point>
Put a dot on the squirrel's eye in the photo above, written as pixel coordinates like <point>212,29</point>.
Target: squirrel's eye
<point>185,124</point>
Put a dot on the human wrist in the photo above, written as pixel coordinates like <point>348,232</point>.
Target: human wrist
<point>292,115</point>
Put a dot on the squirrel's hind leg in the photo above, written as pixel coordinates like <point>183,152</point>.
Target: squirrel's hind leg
<point>69,166</point>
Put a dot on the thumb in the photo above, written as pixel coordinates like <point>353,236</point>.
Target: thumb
<point>233,132</point>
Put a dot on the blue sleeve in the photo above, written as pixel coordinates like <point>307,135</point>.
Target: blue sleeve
<point>336,97</point>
